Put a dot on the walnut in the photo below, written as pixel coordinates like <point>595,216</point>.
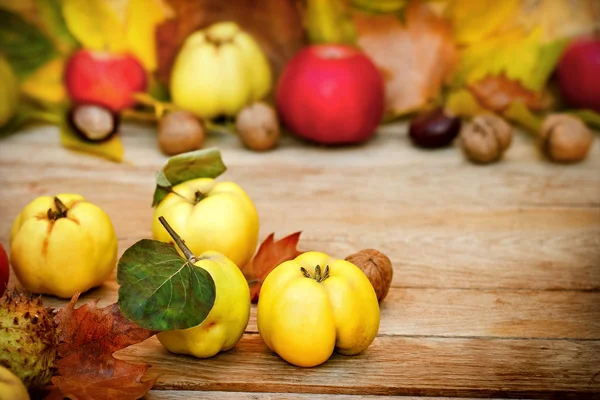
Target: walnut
<point>258,126</point>
<point>486,138</point>
<point>565,138</point>
<point>180,132</point>
<point>378,268</point>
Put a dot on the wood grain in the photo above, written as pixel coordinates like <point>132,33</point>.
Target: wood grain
<point>195,395</point>
<point>464,313</point>
<point>391,366</point>
<point>496,289</point>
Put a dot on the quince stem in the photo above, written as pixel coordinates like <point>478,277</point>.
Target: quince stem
<point>178,241</point>
<point>198,197</point>
<point>61,210</point>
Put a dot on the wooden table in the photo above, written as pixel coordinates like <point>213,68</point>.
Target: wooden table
<point>496,289</point>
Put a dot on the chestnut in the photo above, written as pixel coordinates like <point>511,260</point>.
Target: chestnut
<point>434,128</point>
<point>92,122</point>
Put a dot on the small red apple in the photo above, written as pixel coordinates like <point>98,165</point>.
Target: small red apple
<point>578,74</point>
<point>331,94</point>
<point>103,78</point>
<point>4,270</point>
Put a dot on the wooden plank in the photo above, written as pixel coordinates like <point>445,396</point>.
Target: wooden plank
<point>201,395</point>
<point>466,313</point>
<point>391,366</point>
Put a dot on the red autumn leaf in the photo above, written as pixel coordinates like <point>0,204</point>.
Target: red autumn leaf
<point>498,92</point>
<point>415,56</point>
<point>270,254</point>
<point>275,24</point>
<point>88,336</point>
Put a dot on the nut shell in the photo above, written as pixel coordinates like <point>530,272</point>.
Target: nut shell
<point>565,138</point>
<point>486,138</point>
<point>258,127</point>
<point>180,132</point>
<point>93,123</point>
<point>378,268</point>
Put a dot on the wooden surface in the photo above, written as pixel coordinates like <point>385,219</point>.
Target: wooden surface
<point>496,289</point>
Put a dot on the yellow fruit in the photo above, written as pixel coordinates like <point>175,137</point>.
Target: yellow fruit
<point>305,315</point>
<point>11,387</point>
<point>210,215</point>
<point>62,245</point>
<point>218,71</point>
<point>9,92</point>
<point>226,321</point>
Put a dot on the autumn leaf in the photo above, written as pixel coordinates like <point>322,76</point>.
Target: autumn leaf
<point>496,93</point>
<point>416,56</point>
<point>270,254</point>
<point>111,149</point>
<point>88,336</point>
<point>275,24</point>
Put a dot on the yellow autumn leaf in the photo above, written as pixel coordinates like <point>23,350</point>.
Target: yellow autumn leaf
<point>95,24</point>
<point>46,83</point>
<point>463,104</point>
<point>474,20</point>
<point>142,18</point>
<point>111,149</point>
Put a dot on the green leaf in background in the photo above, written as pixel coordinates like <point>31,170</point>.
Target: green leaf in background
<point>160,290</point>
<point>590,117</point>
<point>329,21</point>
<point>51,15</point>
<point>518,113</point>
<point>24,46</point>
<point>204,163</point>
<point>111,149</point>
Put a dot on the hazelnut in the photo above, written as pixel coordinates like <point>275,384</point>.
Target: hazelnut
<point>565,138</point>
<point>378,268</point>
<point>486,138</point>
<point>258,126</point>
<point>92,122</point>
<point>180,132</point>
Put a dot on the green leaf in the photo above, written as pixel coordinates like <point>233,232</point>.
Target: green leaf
<point>51,15</point>
<point>24,46</point>
<point>160,290</point>
<point>204,163</point>
<point>111,149</point>
<point>518,113</point>
<point>590,117</point>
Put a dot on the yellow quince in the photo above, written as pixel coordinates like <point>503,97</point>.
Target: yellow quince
<point>226,321</point>
<point>218,71</point>
<point>62,245</point>
<point>315,304</point>
<point>210,215</point>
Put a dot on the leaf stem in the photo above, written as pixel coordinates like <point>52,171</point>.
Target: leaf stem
<point>178,240</point>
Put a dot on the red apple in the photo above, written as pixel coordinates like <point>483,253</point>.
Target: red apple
<point>331,94</point>
<point>103,78</point>
<point>4,269</point>
<point>578,74</point>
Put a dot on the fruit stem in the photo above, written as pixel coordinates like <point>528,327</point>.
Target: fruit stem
<point>198,197</point>
<point>178,240</point>
<point>61,210</point>
<point>319,276</point>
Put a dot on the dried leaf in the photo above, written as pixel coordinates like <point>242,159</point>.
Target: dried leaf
<point>112,149</point>
<point>520,114</point>
<point>51,18</point>
<point>416,56</point>
<point>498,92</point>
<point>474,20</point>
<point>46,84</point>
<point>88,336</point>
<point>275,24</point>
<point>269,255</point>
<point>462,103</point>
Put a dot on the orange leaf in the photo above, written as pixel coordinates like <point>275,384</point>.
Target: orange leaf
<point>416,57</point>
<point>496,93</point>
<point>88,336</point>
<point>269,255</point>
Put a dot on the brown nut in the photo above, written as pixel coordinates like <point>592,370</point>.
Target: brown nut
<point>378,268</point>
<point>486,138</point>
<point>180,132</point>
<point>258,126</point>
<point>92,122</point>
<point>565,138</point>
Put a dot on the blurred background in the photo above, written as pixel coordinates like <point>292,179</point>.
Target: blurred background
<point>143,60</point>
